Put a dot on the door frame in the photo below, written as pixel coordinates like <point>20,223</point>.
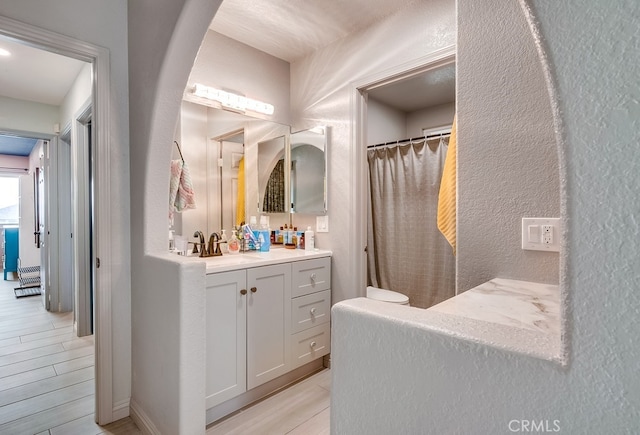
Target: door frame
<point>358,155</point>
<point>98,57</point>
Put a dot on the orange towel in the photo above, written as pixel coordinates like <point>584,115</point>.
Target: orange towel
<point>448,193</point>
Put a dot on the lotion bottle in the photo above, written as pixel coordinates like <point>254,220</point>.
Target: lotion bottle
<point>309,240</point>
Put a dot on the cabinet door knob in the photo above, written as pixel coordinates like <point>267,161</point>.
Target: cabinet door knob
<point>243,291</point>
<point>312,310</point>
<point>254,289</point>
<point>312,344</point>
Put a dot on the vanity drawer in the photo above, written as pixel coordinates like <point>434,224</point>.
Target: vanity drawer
<point>310,276</point>
<point>310,310</point>
<point>311,344</point>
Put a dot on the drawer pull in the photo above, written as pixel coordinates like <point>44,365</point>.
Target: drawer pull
<point>254,289</point>
<point>313,277</point>
<point>312,310</point>
<point>243,291</point>
<point>312,344</point>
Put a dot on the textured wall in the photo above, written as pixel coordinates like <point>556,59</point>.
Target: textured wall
<point>321,95</point>
<point>167,364</point>
<point>432,117</point>
<point>28,116</point>
<point>593,54</point>
<point>230,65</point>
<point>507,155</point>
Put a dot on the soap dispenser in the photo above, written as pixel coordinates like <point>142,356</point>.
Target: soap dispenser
<point>234,243</point>
<point>224,243</point>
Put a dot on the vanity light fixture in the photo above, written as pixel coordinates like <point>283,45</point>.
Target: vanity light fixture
<point>4,52</point>
<point>231,100</point>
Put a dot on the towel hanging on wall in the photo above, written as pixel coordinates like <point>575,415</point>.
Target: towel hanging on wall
<point>448,193</point>
<point>181,194</point>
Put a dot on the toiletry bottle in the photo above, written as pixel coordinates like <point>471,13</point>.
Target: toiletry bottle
<point>294,237</point>
<point>280,236</point>
<point>300,238</point>
<point>309,240</point>
<point>224,243</point>
<point>234,243</point>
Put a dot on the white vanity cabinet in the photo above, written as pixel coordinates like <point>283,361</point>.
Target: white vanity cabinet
<point>310,310</point>
<point>226,351</point>
<point>268,323</point>
<point>263,322</point>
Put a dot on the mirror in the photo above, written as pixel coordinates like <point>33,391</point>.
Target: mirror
<point>214,143</point>
<point>272,179</point>
<point>308,176</point>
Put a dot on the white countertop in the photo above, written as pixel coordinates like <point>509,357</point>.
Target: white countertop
<point>519,304</point>
<point>228,262</point>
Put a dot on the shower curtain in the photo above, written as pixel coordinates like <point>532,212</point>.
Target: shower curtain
<point>406,251</point>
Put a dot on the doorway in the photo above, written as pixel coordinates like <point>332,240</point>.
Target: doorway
<point>97,59</point>
<point>380,85</point>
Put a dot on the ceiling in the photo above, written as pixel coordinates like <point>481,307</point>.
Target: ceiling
<point>33,75</point>
<point>36,75</point>
<point>286,29</point>
<point>292,29</point>
<point>16,146</point>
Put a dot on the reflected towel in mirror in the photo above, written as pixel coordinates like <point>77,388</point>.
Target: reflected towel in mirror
<point>181,194</point>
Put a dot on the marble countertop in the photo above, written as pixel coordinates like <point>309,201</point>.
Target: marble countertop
<point>228,262</point>
<point>519,304</point>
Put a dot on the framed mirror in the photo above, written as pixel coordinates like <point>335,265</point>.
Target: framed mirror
<point>272,176</point>
<point>308,171</point>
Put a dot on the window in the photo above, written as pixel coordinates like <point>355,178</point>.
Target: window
<point>9,194</point>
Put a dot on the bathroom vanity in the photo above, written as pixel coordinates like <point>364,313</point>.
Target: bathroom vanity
<point>267,324</point>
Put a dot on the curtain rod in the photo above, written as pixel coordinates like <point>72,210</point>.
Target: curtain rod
<point>394,142</point>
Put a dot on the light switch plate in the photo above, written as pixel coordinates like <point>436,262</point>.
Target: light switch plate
<point>322,224</point>
<point>541,234</point>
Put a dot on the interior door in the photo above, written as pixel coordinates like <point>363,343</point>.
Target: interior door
<point>41,234</point>
<point>231,153</point>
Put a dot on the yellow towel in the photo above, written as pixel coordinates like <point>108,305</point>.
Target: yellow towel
<point>447,195</point>
<point>240,205</point>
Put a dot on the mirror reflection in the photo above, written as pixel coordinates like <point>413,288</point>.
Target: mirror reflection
<point>308,171</point>
<point>241,166</point>
<point>271,176</point>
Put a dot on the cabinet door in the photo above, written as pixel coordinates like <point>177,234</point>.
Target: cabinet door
<point>226,300</point>
<point>268,323</point>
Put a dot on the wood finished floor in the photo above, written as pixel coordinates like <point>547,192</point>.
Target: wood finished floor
<point>46,373</point>
<point>47,383</point>
<point>302,409</point>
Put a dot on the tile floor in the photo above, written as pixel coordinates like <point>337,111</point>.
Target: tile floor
<point>47,383</point>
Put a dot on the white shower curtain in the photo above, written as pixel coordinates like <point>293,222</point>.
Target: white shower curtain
<point>406,252</point>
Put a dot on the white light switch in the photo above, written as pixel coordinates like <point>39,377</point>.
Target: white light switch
<point>541,234</point>
<point>322,224</point>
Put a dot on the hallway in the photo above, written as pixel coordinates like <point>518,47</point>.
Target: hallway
<point>46,373</point>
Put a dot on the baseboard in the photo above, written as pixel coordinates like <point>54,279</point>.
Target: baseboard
<point>141,420</point>
<point>121,410</point>
<point>326,361</point>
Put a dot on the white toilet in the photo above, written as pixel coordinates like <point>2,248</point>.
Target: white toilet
<point>384,295</point>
